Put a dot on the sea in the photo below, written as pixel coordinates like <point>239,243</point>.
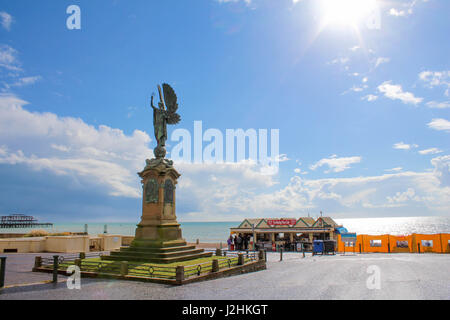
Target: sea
<point>220,231</point>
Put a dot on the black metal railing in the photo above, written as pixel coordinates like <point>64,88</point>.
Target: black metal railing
<point>222,260</point>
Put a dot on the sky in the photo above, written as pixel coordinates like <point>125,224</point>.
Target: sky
<point>358,89</point>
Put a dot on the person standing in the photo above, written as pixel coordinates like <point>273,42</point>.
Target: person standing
<point>245,242</point>
<point>229,242</point>
<point>239,242</point>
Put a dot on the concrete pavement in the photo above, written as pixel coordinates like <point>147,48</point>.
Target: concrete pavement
<point>401,276</point>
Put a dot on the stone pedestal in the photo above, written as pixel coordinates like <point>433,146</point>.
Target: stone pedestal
<point>158,236</point>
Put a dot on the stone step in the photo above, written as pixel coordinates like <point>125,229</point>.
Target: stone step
<point>156,250</point>
<point>157,254</point>
<point>145,258</point>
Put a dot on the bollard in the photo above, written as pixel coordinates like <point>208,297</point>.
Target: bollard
<point>37,262</point>
<point>219,252</point>
<point>281,254</point>
<point>360,248</point>
<point>389,247</point>
<point>2,271</point>
<point>215,265</point>
<point>82,255</point>
<point>124,268</point>
<point>241,260</point>
<point>198,241</point>
<point>55,268</point>
<point>265,255</point>
<point>179,274</point>
<point>418,246</point>
<point>303,250</point>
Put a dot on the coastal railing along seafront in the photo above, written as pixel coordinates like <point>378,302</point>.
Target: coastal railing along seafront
<point>90,264</point>
<point>414,243</point>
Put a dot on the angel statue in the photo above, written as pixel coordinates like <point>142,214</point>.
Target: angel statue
<point>165,114</point>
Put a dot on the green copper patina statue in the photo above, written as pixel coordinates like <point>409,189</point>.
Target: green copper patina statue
<point>165,114</point>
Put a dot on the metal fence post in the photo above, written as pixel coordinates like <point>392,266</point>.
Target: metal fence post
<point>418,246</point>
<point>37,262</point>
<point>55,268</point>
<point>281,254</point>
<point>179,274</point>
<point>265,255</point>
<point>241,259</point>
<point>219,252</point>
<point>124,268</point>
<point>2,271</point>
<point>215,265</point>
<point>360,251</point>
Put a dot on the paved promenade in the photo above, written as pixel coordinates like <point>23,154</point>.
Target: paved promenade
<point>402,276</point>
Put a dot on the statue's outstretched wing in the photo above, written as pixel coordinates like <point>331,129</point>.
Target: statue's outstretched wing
<point>170,98</point>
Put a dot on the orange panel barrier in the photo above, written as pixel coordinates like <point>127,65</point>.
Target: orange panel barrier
<point>445,242</point>
<point>437,243</point>
<point>375,243</point>
<point>400,243</point>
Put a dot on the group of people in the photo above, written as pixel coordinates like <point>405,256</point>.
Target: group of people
<point>239,242</point>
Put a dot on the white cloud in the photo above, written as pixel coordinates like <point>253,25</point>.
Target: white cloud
<point>109,159</point>
<point>440,124</point>
<point>436,78</point>
<point>8,58</point>
<point>248,2</point>
<point>395,92</point>
<point>398,13</point>
<point>370,97</point>
<point>439,105</point>
<point>69,146</point>
<point>342,60</point>
<point>336,164</point>
<point>430,151</point>
<point>381,60</point>
<point>397,169</point>
<point>6,20</point>
<point>404,146</point>
<point>25,81</point>
<point>402,197</point>
<point>406,10</point>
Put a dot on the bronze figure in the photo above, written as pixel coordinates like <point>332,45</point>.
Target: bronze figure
<point>165,114</point>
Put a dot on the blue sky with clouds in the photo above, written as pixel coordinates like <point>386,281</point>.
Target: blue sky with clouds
<point>360,95</point>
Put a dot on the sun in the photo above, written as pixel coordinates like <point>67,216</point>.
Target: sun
<point>347,12</point>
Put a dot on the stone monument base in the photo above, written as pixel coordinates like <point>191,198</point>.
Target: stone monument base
<point>158,252</point>
<point>158,235</point>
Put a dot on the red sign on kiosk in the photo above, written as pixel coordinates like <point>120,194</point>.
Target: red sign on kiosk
<point>281,222</point>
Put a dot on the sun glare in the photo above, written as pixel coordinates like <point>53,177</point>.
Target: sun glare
<point>347,12</point>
